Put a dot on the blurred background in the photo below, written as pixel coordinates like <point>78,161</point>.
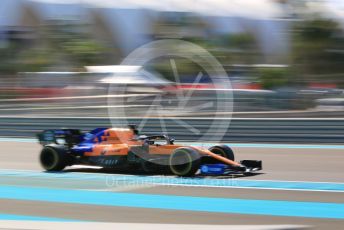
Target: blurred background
<point>61,67</point>
<point>284,58</point>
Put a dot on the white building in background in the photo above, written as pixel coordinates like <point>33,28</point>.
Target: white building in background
<point>127,24</point>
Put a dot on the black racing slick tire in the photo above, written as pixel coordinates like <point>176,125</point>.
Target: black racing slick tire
<point>54,158</point>
<point>185,161</point>
<point>224,151</point>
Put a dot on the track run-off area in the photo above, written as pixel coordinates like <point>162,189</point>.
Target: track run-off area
<point>300,186</point>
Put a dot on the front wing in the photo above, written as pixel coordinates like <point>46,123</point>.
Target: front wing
<point>247,167</point>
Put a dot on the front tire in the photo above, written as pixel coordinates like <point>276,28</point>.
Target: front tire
<point>185,161</point>
<point>224,151</point>
<point>54,158</point>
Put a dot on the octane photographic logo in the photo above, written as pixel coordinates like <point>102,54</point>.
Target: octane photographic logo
<point>174,109</point>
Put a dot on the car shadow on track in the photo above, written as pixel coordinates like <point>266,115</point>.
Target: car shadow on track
<point>140,173</point>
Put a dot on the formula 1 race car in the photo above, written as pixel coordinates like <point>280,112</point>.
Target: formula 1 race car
<point>124,148</point>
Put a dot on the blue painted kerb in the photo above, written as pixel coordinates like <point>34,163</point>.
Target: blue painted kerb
<point>169,202</point>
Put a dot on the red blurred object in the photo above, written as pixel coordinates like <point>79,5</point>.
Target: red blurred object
<point>322,85</point>
<point>196,86</point>
<point>188,86</point>
<point>22,92</point>
<point>246,86</point>
<point>252,86</point>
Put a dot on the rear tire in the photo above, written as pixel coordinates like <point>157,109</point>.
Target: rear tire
<point>185,161</point>
<point>223,150</point>
<point>54,158</point>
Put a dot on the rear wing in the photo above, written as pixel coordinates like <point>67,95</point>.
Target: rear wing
<point>68,137</point>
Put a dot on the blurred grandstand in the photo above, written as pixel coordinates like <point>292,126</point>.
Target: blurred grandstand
<point>280,55</point>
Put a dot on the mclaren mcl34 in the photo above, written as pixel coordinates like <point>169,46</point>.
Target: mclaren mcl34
<point>126,149</point>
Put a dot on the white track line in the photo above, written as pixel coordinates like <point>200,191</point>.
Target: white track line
<point>47,225</point>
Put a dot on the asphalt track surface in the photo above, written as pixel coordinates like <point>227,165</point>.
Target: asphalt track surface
<point>287,192</point>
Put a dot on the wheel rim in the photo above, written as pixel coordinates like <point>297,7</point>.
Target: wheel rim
<point>181,162</point>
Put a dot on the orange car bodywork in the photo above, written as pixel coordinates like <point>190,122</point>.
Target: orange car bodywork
<point>119,141</point>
